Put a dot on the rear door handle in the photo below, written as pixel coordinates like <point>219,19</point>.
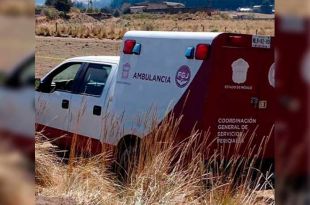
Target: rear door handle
<point>97,110</point>
<point>65,104</point>
<point>254,102</point>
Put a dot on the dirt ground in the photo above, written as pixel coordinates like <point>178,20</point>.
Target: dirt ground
<point>50,51</point>
<point>41,200</point>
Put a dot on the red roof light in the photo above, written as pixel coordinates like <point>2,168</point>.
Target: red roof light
<point>128,46</point>
<point>202,51</point>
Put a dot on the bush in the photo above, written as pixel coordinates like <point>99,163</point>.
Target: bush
<point>75,10</point>
<point>116,13</point>
<point>50,13</point>
<point>60,5</point>
<point>106,10</point>
<point>90,10</point>
<point>63,5</point>
<point>63,15</point>
<point>50,2</point>
<point>38,10</point>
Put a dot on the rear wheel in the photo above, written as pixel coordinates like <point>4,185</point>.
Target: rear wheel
<point>127,158</point>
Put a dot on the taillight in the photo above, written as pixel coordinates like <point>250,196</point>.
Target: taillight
<point>202,51</point>
<point>128,46</point>
<point>238,41</point>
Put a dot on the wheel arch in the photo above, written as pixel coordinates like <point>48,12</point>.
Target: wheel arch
<point>128,140</point>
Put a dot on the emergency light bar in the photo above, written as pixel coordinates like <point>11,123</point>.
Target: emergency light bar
<point>190,52</point>
<point>137,49</point>
<point>202,51</point>
<point>129,46</point>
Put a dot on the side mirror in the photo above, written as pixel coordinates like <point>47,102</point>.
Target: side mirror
<point>37,83</point>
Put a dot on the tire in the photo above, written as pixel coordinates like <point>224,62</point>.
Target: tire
<point>127,158</point>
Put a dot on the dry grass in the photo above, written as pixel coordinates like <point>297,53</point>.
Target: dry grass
<point>115,28</point>
<point>166,173</point>
<point>99,31</point>
<point>48,165</point>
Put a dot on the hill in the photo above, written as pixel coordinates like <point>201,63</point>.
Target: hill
<point>217,4</point>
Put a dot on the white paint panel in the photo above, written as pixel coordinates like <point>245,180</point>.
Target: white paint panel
<point>49,109</point>
<point>82,121</point>
<point>163,54</point>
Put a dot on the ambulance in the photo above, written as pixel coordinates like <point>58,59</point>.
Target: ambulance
<point>223,83</point>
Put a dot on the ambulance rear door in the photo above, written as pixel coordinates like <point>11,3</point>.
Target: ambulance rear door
<point>237,106</point>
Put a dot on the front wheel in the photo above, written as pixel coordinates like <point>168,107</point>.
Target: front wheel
<point>127,158</point>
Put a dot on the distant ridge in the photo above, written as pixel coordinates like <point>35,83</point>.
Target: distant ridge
<point>217,4</point>
<point>97,3</point>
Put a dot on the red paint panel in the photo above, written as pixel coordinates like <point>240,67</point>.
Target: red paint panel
<point>219,101</point>
<point>83,144</point>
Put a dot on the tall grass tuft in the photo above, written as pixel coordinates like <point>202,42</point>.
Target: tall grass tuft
<point>166,171</point>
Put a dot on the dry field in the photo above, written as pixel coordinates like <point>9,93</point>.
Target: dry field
<point>83,35</point>
<point>82,26</point>
<point>51,51</point>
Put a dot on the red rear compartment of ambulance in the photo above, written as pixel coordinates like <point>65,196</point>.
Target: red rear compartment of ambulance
<point>233,95</point>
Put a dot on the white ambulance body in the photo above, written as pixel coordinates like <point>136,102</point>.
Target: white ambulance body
<point>220,81</point>
<point>148,82</point>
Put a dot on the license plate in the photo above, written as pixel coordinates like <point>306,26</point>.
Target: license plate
<point>261,41</point>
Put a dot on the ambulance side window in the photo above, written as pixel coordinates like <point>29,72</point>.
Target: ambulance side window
<point>95,79</point>
<point>63,80</point>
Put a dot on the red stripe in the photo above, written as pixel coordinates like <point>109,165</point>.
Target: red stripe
<point>201,104</point>
<point>67,141</point>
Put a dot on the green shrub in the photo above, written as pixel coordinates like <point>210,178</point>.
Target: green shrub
<point>50,13</point>
<point>63,15</point>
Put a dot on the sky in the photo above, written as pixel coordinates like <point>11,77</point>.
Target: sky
<point>40,2</point>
